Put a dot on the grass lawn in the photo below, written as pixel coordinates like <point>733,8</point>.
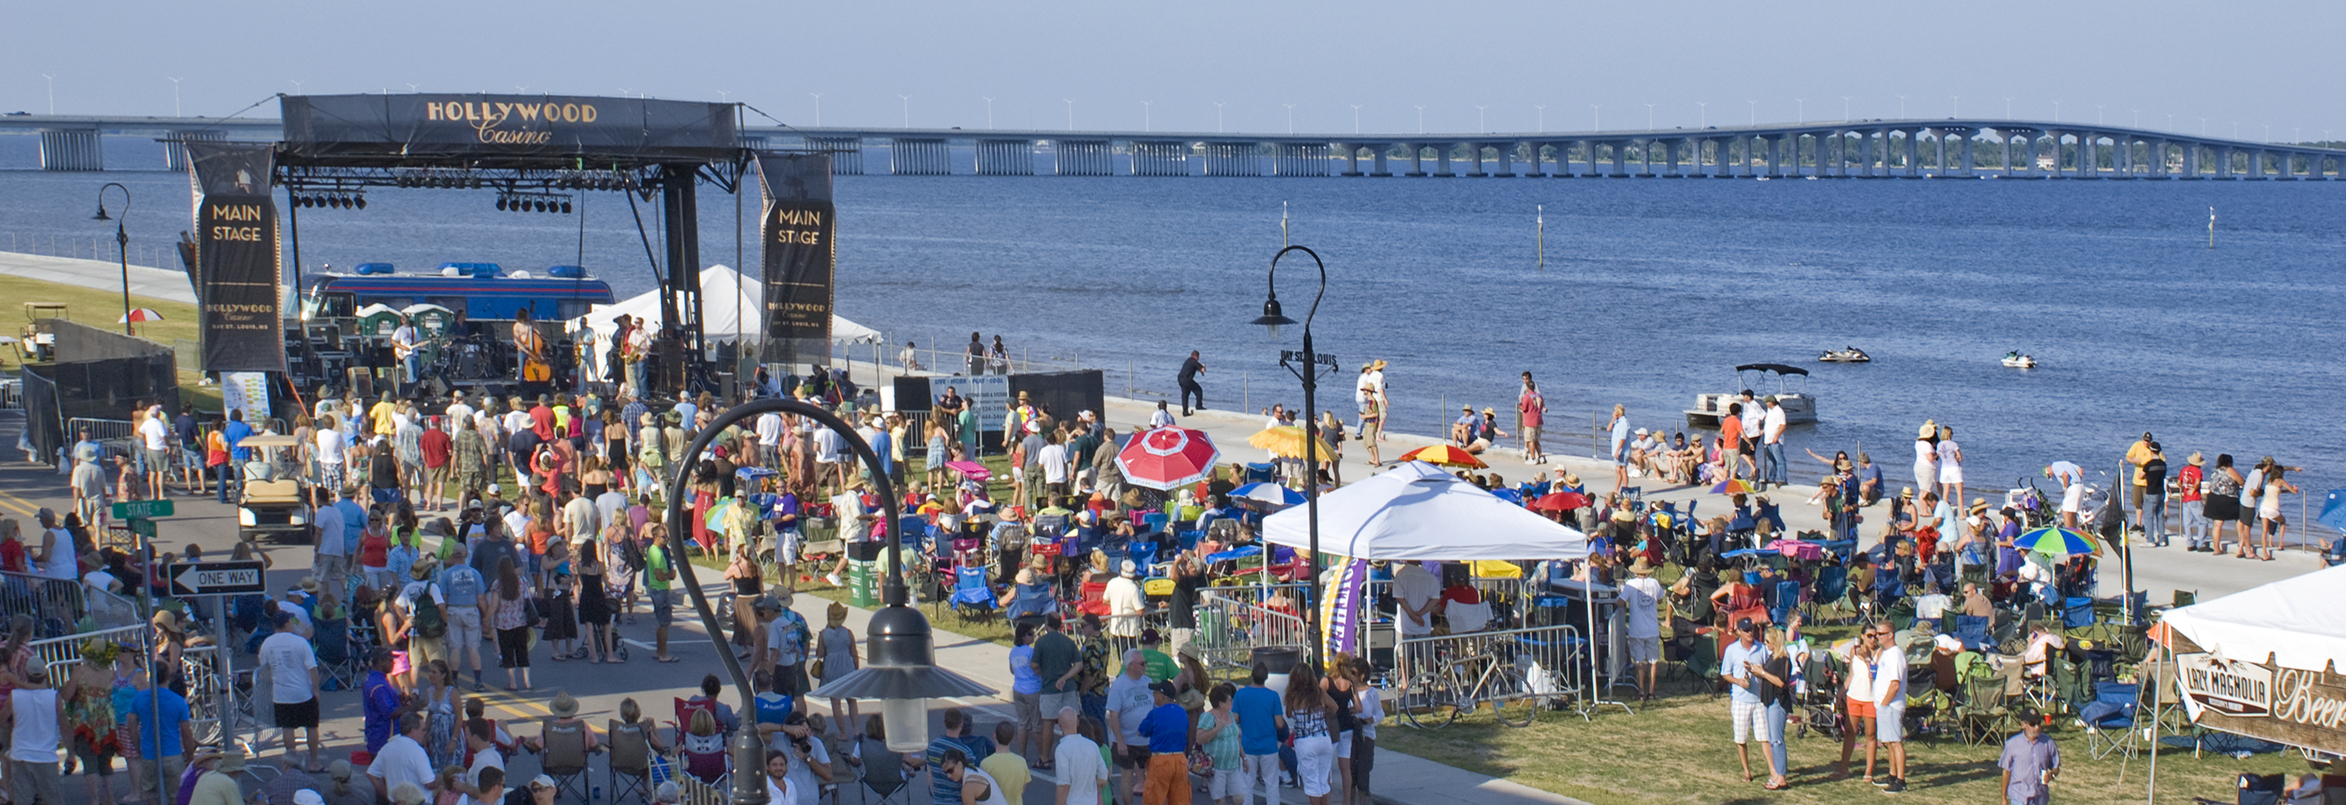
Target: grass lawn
<point>1680,750</point>
<point>93,306</point>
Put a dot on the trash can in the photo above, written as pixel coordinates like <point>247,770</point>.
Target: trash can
<point>1276,662</point>
<point>863,583</point>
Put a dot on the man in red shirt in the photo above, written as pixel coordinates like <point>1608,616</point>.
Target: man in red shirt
<point>436,446</point>
<point>2195,518</point>
<point>1532,412</point>
<point>542,418</point>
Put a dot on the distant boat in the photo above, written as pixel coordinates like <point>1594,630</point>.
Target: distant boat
<point>1849,355</point>
<point>2018,361</point>
<point>1799,406</point>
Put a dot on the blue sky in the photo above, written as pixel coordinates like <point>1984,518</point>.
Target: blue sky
<point>2251,63</point>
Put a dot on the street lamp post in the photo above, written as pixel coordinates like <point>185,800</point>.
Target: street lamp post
<point>900,659</point>
<point>121,244</point>
<point>1274,318</point>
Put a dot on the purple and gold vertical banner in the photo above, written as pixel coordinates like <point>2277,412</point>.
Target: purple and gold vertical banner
<point>237,267</point>
<point>1340,609</point>
<point>798,256</point>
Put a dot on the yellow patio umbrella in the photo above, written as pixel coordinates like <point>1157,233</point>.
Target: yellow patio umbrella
<point>1287,441</point>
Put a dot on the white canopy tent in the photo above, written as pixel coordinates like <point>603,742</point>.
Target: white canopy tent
<point>1417,512</point>
<point>2299,621</point>
<point>730,309</point>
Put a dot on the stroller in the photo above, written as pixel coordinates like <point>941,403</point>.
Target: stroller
<point>1820,696</point>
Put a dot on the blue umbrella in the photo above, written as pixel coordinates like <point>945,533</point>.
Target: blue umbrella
<point>1268,494</point>
<point>2334,510</point>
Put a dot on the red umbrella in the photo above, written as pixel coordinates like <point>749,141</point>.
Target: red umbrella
<point>1165,458</point>
<point>1445,455</point>
<point>1559,501</point>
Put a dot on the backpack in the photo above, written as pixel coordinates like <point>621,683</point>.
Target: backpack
<point>428,621</point>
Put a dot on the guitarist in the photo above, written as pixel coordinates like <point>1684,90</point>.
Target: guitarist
<point>407,348</point>
<point>530,347</point>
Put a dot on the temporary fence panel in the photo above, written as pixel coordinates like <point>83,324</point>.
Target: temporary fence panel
<point>116,435</point>
<point>1230,628</point>
<point>58,604</point>
<point>1550,659</point>
<point>58,654</point>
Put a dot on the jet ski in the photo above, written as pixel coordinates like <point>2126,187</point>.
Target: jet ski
<point>1848,355</point>
<point>2016,360</point>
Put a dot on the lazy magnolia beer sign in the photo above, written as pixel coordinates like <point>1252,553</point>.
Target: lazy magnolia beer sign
<point>2295,706</point>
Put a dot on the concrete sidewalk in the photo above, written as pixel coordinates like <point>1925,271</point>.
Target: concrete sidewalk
<point>1401,779</point>
<point>164,284</point>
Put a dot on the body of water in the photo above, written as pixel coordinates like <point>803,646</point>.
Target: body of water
<point>1651,291</point>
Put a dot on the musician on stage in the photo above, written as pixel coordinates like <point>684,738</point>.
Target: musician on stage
<point>407,347</point>
<point>529,348</point>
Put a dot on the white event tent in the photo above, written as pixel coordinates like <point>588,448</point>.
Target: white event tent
<point>730,310</point>
<point>1417,512</point>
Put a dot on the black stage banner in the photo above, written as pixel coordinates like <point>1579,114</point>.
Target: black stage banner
<point>425,124</point>
<point>799,255</point>
<point>236,267</point>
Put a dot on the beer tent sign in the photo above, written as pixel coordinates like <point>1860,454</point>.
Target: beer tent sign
<point>2264,662</point>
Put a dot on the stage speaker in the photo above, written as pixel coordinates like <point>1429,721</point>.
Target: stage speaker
<point>670,354</point>
<point>362,382</point>
<point>436,387</point>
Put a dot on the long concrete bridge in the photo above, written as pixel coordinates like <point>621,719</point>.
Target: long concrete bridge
<point>1942,148</point>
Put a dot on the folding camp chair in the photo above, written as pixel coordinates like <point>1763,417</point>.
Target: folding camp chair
<point>630,772</point>
<point>2109,719</point>
<point>972,599</point>
<point>564,758</point>
<point>336,662</point>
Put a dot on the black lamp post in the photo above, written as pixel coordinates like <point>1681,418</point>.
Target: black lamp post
<point>1273,318</point>
<point>900,660</point>
<point>121,244</point>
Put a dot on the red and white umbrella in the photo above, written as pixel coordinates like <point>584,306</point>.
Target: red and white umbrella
<point>141,314</point>
<point>1164,458</point>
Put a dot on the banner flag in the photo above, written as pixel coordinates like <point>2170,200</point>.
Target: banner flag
<point>799,255</point>
<point>237,267</point>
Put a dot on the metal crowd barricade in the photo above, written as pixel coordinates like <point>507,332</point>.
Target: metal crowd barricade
<point>55,604</point>
<point>57,653</point>
<point>1230,626</point>
<point>12,394</point>
<point>1552,659</point>
<point>115,435</point>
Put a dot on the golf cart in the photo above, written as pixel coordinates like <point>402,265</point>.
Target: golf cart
<point>276,501</point>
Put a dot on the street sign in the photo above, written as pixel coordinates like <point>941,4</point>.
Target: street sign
<point>142,509</point>
<point>143,527</point>
<point>216,578</point>
<point>1296,356</point>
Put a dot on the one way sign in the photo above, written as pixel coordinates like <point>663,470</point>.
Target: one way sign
<point>216,578</point>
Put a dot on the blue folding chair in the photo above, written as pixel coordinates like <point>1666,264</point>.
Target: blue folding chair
<point>2077,613</point>
<point>1786,599</point>
<point>1973,631</point>
<point>2109,719</point>
<point>972,599</point>
<point>1154,522</point>
<point>1142,553</point>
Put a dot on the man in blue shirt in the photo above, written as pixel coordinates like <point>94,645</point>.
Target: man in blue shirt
<point>1258,710</point>
<point>354,521</point>
<point>1167,729</point>
<point>168,720</point>
<point>380,698</point>
<point>1736,664</point>
<point>461,586</point>
<point>235,451</point>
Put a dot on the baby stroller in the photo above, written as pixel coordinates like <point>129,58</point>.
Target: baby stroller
<point>1819,697</point>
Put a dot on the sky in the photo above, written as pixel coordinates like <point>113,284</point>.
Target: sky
<point>2270,67</point>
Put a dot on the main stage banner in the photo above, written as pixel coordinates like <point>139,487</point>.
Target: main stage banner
<point>237,266</point>
<point>424,123</point>
<point>800,255</point>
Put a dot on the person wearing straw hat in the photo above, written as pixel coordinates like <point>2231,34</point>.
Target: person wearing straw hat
<point>2188,484</point>
<point>218,784</point>
<point>1641,597</point>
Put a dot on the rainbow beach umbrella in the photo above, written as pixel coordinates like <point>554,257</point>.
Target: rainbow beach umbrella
<point>2057,542</point>
<point>1731,486</point>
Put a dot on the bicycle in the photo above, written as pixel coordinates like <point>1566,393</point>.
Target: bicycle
<point>1432,699</point>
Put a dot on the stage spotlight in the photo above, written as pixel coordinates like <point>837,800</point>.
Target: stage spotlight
<point>500,203</point>
<point>566,208</point>
<point>361,201</point>
<point>337,201</point>
<point>538,205</point>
